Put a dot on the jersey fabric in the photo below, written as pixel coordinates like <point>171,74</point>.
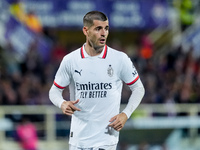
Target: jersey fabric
<point>107,147</point>
<point>97,82</point>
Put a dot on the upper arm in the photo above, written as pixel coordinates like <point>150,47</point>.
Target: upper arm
<point>128,72</point>
<point>62,77</point>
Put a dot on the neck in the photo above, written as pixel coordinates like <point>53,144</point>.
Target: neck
<point>92,51</point>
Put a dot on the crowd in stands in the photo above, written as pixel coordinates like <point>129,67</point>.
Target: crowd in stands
<point>171,77</point>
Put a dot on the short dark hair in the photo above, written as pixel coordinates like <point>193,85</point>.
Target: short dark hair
<point>93,15</point>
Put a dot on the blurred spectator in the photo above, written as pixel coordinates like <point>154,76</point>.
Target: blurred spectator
<point>186,14</point>
<point>143,146</point>
<point>58,52</point>
<point>146,50</point>
<point>30,19</point>
<point>27,135</point>
<point>17,10</point>
<point>33,22</point>
<point>9,96</point>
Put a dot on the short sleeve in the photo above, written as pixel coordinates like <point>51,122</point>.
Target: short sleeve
<point>62,78</point>
<point>128,72</point>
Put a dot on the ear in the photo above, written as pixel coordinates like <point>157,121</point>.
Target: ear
<point>85,30</point>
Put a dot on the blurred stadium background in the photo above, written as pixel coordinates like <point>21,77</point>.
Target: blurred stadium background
<point>162,37</point>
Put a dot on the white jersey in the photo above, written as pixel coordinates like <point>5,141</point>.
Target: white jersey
<point>97,83</point>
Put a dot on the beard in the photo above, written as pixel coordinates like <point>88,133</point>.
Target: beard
<point>97,48</point>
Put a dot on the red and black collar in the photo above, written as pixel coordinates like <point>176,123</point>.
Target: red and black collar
<point>102,55</point>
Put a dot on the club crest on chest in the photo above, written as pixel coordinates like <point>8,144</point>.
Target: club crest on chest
<point>110,71</point>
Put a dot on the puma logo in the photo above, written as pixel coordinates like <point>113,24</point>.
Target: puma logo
<point>79,72</point>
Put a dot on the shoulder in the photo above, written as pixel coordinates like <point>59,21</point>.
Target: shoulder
<point>120,58</point>
<point>72,55</point>
<point>116,53</point>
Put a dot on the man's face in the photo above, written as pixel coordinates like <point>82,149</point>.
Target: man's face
<point>97,34</point>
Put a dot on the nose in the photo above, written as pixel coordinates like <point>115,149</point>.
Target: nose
<point>103,32</point>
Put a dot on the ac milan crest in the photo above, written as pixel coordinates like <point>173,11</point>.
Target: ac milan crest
<point>110,71</point>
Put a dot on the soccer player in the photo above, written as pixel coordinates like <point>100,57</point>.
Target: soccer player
<point>95,74</point>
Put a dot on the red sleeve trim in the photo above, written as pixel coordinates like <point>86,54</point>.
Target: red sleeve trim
<point>60,87</point>
<point>133,81</point>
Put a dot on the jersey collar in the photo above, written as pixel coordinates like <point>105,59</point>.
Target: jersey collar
<point>102,55</point>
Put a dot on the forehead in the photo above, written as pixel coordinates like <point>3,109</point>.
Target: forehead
<point>100,23</point>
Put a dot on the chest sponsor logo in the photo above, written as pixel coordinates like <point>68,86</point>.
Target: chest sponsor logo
<point>93,90</point>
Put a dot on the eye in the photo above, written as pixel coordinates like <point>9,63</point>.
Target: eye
<point>98,28</point>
